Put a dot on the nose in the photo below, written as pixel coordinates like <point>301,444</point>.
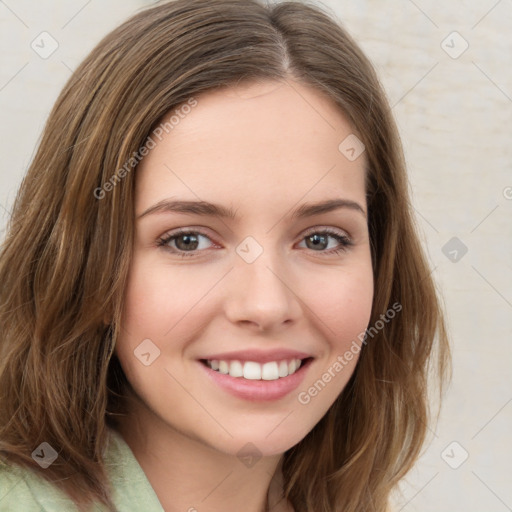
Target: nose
<point>262,295</point>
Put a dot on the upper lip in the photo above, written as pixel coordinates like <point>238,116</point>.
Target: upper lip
<point>259,356</point>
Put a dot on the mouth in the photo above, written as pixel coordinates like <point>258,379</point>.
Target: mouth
<point>256,382</point>
<point>252,370</point>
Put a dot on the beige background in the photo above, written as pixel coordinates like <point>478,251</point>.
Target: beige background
<point>454,111</point>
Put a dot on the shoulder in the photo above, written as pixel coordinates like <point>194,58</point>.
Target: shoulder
<point>22,490</point>
<point>131,488</point>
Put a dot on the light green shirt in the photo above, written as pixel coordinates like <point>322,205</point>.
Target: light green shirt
<point>22,490</point>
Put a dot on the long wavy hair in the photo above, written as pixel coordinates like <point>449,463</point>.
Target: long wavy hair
<point>65,258</point>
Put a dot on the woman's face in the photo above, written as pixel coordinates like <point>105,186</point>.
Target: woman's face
<point>255,291</point>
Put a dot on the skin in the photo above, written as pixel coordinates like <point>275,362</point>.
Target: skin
<point>262,148</point>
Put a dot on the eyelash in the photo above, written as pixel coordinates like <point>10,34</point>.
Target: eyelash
<point>343,240</point>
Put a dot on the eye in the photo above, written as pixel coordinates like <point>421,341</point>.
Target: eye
<point>187,242</point>
<point>318,241</point>
<point>183,242</point>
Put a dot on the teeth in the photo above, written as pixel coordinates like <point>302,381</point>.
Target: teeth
<point>270,371</point>
<point>283,369</point>
<point>236,369</point>
<point>251,370</point>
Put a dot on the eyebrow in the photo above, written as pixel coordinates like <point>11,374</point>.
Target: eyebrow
<point>216,210</point>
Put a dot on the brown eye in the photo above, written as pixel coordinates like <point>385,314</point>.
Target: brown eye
<point>184,243</point>
<point>319,241</point>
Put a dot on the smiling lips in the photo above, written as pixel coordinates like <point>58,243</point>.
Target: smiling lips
<point>256,375</point>
<point>253,370</point>
<point>257,364</point>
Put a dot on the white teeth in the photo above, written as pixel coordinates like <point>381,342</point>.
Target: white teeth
<point>236,369</point>
<point>283,369</point>
<point>293,366</point>
<point>270,371</point>
<point>223,367</point>
<point>251,370</point>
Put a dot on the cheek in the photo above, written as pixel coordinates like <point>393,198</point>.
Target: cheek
<point>343,305</point>
<point>159,299</point>
<point>161,304</point>
<point>143,317</point>
<point>343,308</point>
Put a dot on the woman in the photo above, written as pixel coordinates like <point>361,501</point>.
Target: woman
<point>213,293</point>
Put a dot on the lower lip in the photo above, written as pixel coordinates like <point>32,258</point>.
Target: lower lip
<point>258,390</point>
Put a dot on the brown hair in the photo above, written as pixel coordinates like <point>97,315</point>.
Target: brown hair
<point>66,255</point>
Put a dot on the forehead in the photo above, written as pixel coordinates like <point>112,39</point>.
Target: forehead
<point>258,139</point>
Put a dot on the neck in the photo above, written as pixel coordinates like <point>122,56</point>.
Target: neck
<point>188,475</point>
